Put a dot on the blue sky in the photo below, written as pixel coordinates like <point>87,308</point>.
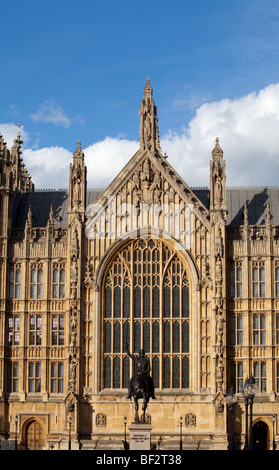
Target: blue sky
<point>76,70</point>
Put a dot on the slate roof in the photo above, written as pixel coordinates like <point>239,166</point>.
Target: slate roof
<point>41,201</point>
<point>256,199</point>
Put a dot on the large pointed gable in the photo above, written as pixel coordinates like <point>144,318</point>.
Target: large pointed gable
<point>148,174</point>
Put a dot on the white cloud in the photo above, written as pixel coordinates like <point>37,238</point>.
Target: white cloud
<point>9,132</point>
<point>48,167</point>
<point>248,132</point>
<point>51,112</point>
<point>247,129</point>
<point>105,159</point>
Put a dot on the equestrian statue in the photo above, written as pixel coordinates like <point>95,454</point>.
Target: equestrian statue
<point>141,383</point>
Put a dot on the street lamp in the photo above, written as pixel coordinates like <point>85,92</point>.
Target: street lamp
<point>231,400</point>
<point>69,423</point>
<point>16,421</point>
<point>273,424</point>
<point>125,437</point>
<point>181,421</point>
<point>249,390</point>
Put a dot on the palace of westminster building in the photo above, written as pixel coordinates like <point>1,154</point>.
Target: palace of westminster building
<point>189,275</point>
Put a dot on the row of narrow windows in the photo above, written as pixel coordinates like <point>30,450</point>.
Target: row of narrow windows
<point>35,330</point>
<point>259,330</point>
<point>36,283</point>
<point>57,375</point>
<point>175,335</point>
<point>58,286</point>
<point>145,305</point>
<point>34,371</point>
<point>259,372</point>
<point>258,279</point>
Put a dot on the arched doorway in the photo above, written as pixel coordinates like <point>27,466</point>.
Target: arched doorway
<point>260,436</point>
<point>34,436</point>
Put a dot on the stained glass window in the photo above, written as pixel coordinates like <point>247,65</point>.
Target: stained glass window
<point>107,372</point>
<point>147,306</point>
<point>155,337</point>
<point>137,336</point>
<point>117,302</point>
<point>107,337</point>
<point>176,372</point>
<point>167,337</point>
<point>126,372</point>
<point>146,337</point>
<point>116,337</point>
<point>166,378</point>
<point>155,371</point>
<point>176,337</point>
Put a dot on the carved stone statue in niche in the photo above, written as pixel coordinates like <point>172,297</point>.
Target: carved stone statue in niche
<point>74,270</point>
<point>147,128</point>
<point>219,326</point>
<point>218,189</point>
<point>72,374</point>
<point>219,269</point>
<point>219,246</point>
<point>77,183</point>
<point>147,186</point>
<point>136,180</point>
<point>219,372</point>
<point>146,175</point>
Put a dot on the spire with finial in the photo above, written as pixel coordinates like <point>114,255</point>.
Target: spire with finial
<point>245,213</point>
<point>78,154</point>
<point>268,219</point>
<point>149,133</point>
<point>217,152</point>
<point>77,180</point>
<point>217,179</point>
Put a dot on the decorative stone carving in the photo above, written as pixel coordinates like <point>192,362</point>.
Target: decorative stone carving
<point>190,420</point>
<point>101,420</point>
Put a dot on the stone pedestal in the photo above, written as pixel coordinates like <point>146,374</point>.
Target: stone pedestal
<point>139,436</point>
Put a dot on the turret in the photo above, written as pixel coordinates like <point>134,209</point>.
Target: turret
<point>77,182</point>
<point>149,133</point>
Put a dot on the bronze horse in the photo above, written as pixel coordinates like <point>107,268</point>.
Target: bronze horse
<point>140,389</point>
<point>141,384</point>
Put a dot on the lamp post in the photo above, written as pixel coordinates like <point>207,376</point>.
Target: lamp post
<point>125,438</point>
<point>69,423</point>
<point>16,422</point>
<point>181,420</point>
<point>231,400</point>
<point>273,424</point>
<point>249,390</point>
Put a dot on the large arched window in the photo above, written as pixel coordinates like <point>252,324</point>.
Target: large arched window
<point>147,306</point>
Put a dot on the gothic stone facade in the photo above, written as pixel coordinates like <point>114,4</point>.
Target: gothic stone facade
<point>189,275</point>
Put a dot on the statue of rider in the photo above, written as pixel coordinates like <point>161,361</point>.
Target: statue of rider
<point>141,366</point>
